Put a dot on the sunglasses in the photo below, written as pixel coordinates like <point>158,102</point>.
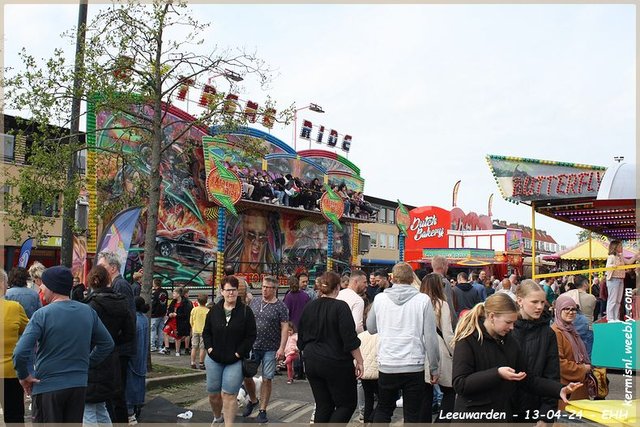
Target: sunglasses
<point>570,310</point>
<point>252,236</point>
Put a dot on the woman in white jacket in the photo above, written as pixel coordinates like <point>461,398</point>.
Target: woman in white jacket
<point>369,350</point>
<point>432,286</point>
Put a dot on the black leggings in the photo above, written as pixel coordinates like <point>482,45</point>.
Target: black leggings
<point>334,390</point>
<point>13,402</point>
<point>370,388</point>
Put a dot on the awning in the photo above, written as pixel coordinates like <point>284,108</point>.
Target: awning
<point>470,262</point>
<point>591,197</point>
<point>599,251</point>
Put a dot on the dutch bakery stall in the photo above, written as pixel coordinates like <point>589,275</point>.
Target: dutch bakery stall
<point>467,240</point>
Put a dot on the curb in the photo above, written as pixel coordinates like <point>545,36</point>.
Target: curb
<point>173,379</point>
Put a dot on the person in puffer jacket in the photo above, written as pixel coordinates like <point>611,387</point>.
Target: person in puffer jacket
<point>404,319</point>
<point>369,350</point>
<point>104,379</point>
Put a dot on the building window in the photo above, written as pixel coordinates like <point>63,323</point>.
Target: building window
<point>373,241</point>
<point>38,208</point>
<point>81,162</point>
<point>382,215</point>
<point>391,216</point>
<point>5,190</point>
<point>392,241</point>
<point>9,143</point>
<point>383,240</point>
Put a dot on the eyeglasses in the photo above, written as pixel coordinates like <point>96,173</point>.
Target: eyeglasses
<point>230,290</point>
<point>253,236</point>
<point>570,310</point>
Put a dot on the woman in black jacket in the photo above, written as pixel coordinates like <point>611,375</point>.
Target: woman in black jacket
<point>327,337</point>
<point>488,365</point>
<point>229,333</point>
<point>539,348</point>
<point>103,383</point>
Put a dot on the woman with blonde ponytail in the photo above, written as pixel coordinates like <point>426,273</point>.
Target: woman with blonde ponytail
<point>488,365</point>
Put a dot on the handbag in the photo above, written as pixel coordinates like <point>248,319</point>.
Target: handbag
<point>250,367</point>
<point>597,383</point>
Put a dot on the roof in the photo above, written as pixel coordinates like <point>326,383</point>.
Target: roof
<point>595,198</point>
<point>599,251</point>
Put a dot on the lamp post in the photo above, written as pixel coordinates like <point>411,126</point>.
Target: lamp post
<point>313,107</point>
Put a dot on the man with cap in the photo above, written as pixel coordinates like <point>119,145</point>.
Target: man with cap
<point>70,338</point>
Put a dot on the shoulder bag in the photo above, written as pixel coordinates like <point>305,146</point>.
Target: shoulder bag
<point>249,364</point>
<point>597,383</point>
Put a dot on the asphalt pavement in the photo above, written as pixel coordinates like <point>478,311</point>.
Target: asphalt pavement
<point>290,403</point>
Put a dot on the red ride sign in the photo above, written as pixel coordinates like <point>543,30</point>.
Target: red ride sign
<point>224,185</point>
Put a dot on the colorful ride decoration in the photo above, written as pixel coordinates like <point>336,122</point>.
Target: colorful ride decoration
<point>193,225</point>
<point>332,207</point>
<point>403,220</point>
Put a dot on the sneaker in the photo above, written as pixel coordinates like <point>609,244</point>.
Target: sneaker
<point>132,420</point>
<point>177,354</point>
<point>289,381</point>
<point>194,366</point>
<point>202,367</point>
<point>262,417</point>
<point>153,349</point>
<point>218,420</point>
<point>250,407</point>
<point>163,350</point>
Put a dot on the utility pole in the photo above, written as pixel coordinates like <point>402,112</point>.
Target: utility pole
<point>69,212</point>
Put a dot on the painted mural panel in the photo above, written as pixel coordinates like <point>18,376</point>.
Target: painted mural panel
<point>260,242</point>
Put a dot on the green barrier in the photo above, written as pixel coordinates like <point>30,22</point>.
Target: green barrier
<point>615,345</point>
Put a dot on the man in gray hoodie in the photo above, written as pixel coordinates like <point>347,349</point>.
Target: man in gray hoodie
<point>405,323</point>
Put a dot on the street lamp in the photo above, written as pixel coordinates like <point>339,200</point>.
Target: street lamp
<point>312,107</point>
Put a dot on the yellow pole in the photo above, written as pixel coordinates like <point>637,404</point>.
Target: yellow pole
<point>533,240</point>
<point>590,266</point>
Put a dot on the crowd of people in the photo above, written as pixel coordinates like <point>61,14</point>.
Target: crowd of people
<point>79,353</point>
<point>287,190</point>
<point>443,349</point>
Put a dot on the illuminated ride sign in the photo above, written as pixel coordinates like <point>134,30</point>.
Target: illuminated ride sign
<point>529,179</point>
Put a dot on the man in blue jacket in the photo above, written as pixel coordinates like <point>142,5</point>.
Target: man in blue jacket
<point>70,338</point>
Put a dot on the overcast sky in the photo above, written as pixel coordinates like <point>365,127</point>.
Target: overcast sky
<point>427,91</point>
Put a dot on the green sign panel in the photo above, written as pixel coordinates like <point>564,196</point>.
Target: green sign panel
<point>459,253</point>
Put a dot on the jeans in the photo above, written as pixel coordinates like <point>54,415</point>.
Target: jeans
<point>96,414</point>
<point>334,390</point>
<point>268,360</point>
<point>156,332</point>
<point>413,387</point>
<point>614,289</point>
<point>223,378</point>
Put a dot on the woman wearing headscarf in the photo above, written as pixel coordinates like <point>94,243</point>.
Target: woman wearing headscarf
<point>574,359</point>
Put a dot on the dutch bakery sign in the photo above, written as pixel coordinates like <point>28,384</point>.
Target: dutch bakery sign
<point>426,228</point>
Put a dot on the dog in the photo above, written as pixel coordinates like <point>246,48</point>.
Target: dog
<point>243,396</point>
